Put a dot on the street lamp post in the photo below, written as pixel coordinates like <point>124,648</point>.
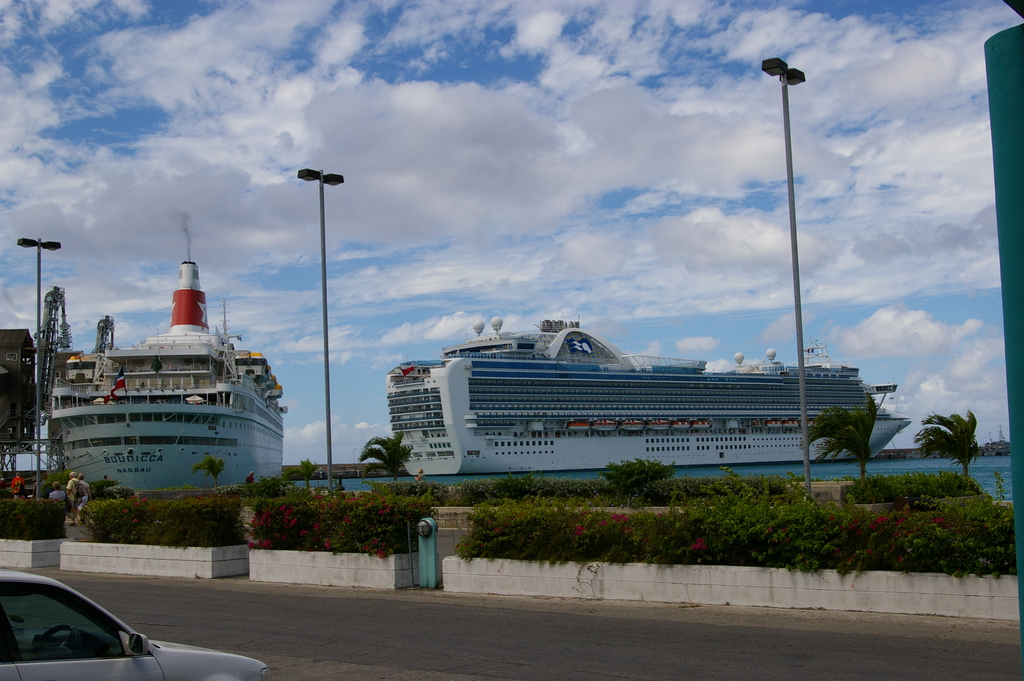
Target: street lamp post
<point>310,175</point>
<point>788,76</point>
<point>39,245</point>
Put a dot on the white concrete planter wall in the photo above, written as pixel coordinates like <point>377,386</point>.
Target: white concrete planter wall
<point>889,592</point>
<point>333,569</point>
<point>155,561</point>
<point>19,553</point>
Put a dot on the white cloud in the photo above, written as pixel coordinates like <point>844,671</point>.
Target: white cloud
<point>697,344</point>
<point>719,366</point>
<point>539,31</point>
<point>432,329</point>
<point>972,379</point>
<point>652,350</point>
<point>591,255</point>
<point>707,239</point>
<point>781,329</point>
<point>895,331</point>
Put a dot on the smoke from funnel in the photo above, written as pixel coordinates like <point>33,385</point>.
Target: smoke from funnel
<point>185,217</point>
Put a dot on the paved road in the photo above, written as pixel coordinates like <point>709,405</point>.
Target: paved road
<point>307,633</point>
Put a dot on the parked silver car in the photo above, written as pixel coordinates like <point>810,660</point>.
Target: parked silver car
<point>49,632</point>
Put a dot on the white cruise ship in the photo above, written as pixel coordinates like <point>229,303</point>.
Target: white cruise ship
<point>144,415</point>
<point>566,399</point>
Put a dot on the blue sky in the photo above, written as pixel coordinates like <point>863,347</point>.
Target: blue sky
<point>616,162</point>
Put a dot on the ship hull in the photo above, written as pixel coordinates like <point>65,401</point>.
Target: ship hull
<point>154,446</point>
<point>594,451</point>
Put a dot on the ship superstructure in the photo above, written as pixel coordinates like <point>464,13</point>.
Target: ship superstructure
<point>562,398</point>
<point>144,415</point>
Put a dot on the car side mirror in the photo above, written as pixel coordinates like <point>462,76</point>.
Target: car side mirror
<point>134,644</point>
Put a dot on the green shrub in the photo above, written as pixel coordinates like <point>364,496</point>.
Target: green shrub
<point>473,492</point>
<point>119,521</point>
<point>31,519</point>
<point>885,488</point>
<point>630,478</point>
<point>198,521</point>
<point>676,490</point>
<point>270,487</point>
<point>56,476</point>
<point>100,489</point>
<point>371,523</point>
<point>438,491</point>
<point>754,529</point>
<point>118,492</point>
<point>192,521</point>
<point>526,486</point>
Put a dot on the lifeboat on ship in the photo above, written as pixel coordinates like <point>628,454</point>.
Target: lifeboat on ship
<point>678,424</point>
<point>772,423</point>
<point>577,426</point>
<point>632,424</point>
<point>658,424</point>
<point>604,424</point>
<point>700,425</point>
<point>791,424</point>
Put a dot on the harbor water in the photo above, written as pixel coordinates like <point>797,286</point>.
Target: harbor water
<point>983,470</point>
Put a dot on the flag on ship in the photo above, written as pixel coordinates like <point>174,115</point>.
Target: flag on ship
<point>408,370</point>
<point>119,384</point>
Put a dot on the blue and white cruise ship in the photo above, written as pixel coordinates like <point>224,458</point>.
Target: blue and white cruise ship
<point>566,399</point>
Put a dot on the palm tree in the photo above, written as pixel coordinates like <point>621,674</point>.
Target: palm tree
<point>306,470</point>
<point>386,454</point>
<point>950,436</point>
<point>845,431</point>
<point>209,465</point>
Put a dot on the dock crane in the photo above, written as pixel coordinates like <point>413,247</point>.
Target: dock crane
<point>51,338</point>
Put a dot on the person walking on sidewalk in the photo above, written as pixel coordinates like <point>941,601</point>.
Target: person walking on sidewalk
<point>58,494</point>
<point>72,492</point>
<point>83,493</point>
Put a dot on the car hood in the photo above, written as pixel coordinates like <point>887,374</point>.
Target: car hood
<point>192,662</point>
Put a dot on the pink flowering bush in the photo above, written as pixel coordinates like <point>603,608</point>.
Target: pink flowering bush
<point>375,524</point>
<point>751,529</point>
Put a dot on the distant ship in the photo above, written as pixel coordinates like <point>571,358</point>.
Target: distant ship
<point>144,415</point>
<point>566,399</point>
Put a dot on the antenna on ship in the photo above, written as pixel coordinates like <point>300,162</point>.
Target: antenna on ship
<point>224,320</point>
<point>478,326</point>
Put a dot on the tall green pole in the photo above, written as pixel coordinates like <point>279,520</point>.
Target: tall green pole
<point>1004,62</point>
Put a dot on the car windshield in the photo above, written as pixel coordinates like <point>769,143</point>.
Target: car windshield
<point>50,624</point>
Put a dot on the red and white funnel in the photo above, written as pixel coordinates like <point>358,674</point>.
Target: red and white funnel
<point>188,307</point>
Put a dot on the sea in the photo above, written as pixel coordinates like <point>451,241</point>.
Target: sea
<point>984,470</point>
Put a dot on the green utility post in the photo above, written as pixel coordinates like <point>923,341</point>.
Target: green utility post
<point>1004,62</point>
<point>427,531</point>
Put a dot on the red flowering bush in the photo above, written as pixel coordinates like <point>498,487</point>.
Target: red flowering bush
<point>118,521</point>
<point>375,524</point>
<point>192,521</point>
<point>31,519</point>
<point>751,529</point>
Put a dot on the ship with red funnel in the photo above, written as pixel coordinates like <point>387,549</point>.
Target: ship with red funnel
<point>144,415</point>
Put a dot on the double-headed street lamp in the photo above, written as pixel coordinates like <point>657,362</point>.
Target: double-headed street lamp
<point>310,175</point>
<point>39,245</point>
<point>788,76</point>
